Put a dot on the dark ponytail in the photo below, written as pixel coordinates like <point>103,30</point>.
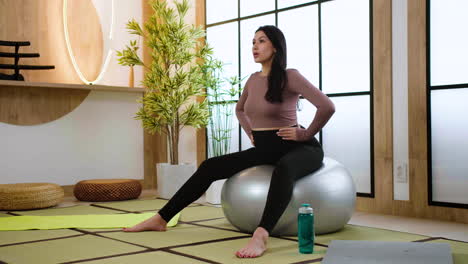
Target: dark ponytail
<point>277,78</point>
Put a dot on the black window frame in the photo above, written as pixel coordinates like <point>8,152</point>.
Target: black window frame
<point>331,95</point>
<point>429,89</point>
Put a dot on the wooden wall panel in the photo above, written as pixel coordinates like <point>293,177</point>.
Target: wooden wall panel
<point>155,145</point>
<point>40,22</point>
<point>418,138</point>
<point>31,103</point>
<point>417,127</point>
<point>201,133</point>
<point>86,39</point>
<point>417,119</point>
<point>382,106</point>
<point>37,105</point>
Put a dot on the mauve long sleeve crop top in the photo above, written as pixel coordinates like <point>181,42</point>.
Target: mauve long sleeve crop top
<point>254,111</point>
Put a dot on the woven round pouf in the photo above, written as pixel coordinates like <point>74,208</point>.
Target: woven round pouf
<point>104,190</point>
<point>24,196</point>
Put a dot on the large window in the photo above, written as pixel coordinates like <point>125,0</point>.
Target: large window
<point>330,43</point>
<point>447,92</point>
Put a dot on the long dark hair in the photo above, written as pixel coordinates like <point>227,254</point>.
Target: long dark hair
<point>277,78</point>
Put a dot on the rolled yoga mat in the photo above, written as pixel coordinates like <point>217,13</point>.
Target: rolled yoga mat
<point>26,222</point>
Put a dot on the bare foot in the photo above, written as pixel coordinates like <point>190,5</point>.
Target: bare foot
<point>256,246</point>
<point>155,223</point>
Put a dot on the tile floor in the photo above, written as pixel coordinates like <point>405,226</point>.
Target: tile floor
<point>434,228</point>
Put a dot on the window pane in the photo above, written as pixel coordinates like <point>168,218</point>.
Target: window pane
<point>223,39</point>
<point>449,128</point>
<point>235,134</point>
<point>346,138</point>
<point>345,46</point>
<point>223,120</point>
<point>302,45</point>
<point>247,30</point>
<point>449,42</point>
<point>249,7</point>
<point>217,11</point>
<point>288,3</point>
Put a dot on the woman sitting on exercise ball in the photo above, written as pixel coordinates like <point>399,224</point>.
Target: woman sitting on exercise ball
<point>267,112</point>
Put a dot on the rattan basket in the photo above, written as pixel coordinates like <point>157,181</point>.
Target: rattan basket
<point>23,196</point>
<point>102,190</point>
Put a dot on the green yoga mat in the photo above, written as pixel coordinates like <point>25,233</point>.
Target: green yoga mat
<point>27,222</point>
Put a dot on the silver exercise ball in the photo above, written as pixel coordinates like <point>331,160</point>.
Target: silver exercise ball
<point>330,191</point>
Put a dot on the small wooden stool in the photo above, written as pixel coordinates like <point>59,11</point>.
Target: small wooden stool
<point>103,190</point>
<point>24,196</point>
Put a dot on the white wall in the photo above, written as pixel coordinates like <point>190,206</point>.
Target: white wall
<point>98,140</point>
<point>400,99</point>
<point>125,10</point>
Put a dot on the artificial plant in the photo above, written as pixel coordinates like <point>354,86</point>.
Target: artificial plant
<point>220,92</point>
<point>129,56</point>
<point>175,76</point>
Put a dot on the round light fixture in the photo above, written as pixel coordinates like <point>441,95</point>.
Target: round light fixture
<point>70,51</point>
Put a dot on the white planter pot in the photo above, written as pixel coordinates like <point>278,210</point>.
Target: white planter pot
<point>172,177</point>
<point>213,194</point>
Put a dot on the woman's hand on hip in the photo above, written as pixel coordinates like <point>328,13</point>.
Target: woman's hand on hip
<point>291,133</point>
<point>252,139</point>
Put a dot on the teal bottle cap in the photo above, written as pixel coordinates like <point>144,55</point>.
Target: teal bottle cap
<point>305,205</point>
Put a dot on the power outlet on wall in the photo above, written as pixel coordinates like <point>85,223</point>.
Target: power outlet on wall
<point>402,173</point>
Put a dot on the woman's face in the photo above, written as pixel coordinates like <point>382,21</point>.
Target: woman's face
<point>262,48</point>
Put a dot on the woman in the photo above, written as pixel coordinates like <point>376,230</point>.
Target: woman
<point>267,112</point>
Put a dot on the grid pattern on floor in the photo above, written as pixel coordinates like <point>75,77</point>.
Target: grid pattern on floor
<point>203,235</point>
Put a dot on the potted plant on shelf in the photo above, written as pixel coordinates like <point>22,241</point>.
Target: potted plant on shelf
<point>129,57</point>
<point>220,93</point>
<point>172,81</point>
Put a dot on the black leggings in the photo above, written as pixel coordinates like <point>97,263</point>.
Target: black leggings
<point>292,160</point>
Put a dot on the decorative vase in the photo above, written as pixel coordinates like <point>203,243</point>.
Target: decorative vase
<point>131,78</point>
<point>213,194</point>
<point>171,177</point>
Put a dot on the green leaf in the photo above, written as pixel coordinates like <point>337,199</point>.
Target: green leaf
<point>181,68</point>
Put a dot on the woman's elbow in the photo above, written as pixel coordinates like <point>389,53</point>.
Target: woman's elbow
<point>239,113</point>
<point>331,108</point>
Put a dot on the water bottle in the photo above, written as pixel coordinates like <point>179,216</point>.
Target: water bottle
<point>305,232</point>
